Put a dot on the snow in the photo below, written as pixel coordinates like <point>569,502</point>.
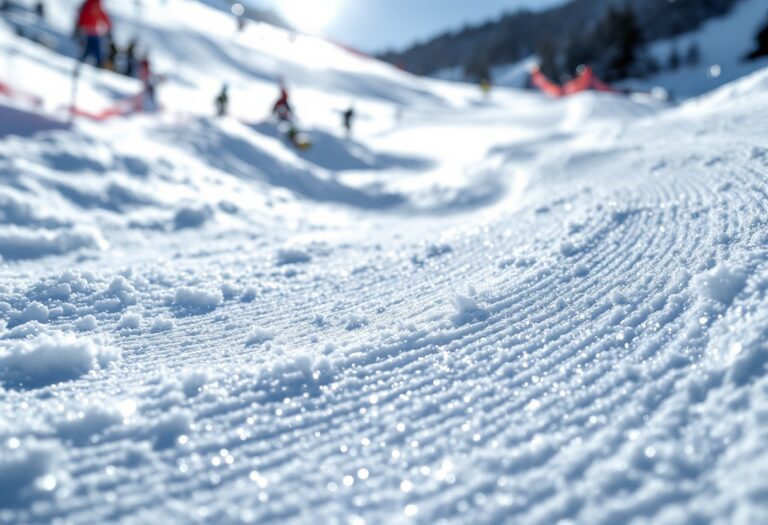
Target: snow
<point>515,310</point>
<point>52,358</point>
<point>197,299</point>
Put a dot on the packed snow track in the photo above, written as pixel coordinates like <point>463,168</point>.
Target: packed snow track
<point>519,311</point>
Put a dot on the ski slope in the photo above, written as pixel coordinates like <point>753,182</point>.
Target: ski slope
<point>513,311</point>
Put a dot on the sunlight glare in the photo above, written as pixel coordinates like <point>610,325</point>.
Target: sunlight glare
<point>310,15</point>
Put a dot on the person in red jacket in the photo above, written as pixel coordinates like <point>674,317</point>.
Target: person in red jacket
<point>282,108</point>
<point>92,24</point>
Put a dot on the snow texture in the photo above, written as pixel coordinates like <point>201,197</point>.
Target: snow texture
<point>514,310</point>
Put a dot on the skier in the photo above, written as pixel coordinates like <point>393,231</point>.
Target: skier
<point>222,101</point>
<point>93,23</point>
<point>149,102</point>
<point>129,67</point>
<point>40,10</point>
<point>282,108</point>
<point>348,118</point>
<point>112,54</point>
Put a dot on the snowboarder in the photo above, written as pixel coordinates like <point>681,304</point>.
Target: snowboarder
<point>348,118</point>
<point>297,138</point>
<point>222,101</point>
<point>282,108</point>
<point>93,24</point>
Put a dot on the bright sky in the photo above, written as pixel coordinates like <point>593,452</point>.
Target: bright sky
<point>374,25</point>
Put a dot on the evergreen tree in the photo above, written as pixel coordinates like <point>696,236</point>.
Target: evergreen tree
<point>693,56</point>
<point>580,50</point>
<point>673,62</point>
<point>621,37</point>
<point>762,44</point>
<point>547,54</point>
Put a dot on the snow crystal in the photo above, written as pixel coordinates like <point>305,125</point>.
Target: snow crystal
<point>52,358</point>
<point>197,299</point>
<point>292,256</point>
<point>19,243</point>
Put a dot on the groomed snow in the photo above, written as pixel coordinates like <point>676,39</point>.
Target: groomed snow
<point>513,311</point>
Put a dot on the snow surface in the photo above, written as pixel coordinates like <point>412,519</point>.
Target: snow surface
<point>514,311</point>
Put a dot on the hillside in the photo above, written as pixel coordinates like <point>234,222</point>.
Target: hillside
<point>514,310</point>
<point>562,31</point>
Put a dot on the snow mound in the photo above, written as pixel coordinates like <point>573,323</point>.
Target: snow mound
<point>52,358</point>
<point>18,243</point>
<point>82,426</point>
<point>192,217</point>
<point>162,324</point>
<point>26,470</point>
<point>723,283</point>
<point>197,299</point>
<point>293,375</point>
<point>467,311</point>
<point>259,336</point>
<point>287,256</point>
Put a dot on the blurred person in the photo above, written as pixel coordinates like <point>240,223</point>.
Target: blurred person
<point>93,23</point>
<point>112,54</point>
<point>347,118</point>
<point>282,108</point>
<point>485,86</point>
<point>222,101</point>
<point>40,10</point>
<point>129,66</point>
<point>148,80</point>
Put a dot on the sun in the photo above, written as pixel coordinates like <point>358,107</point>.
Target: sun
<point>311,16</point>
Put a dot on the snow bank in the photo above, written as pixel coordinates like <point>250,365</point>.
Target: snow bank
<point>20,243</point>
<point>52,358</point>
